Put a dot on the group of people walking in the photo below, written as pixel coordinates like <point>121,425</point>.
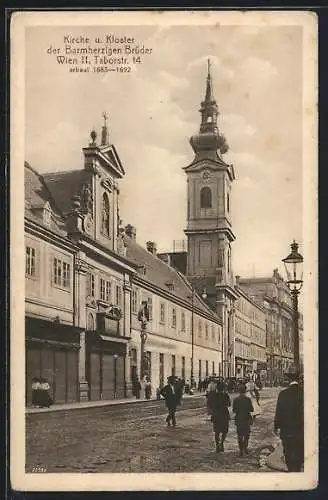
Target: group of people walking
<point>288,421</point>
<point>245,408</point>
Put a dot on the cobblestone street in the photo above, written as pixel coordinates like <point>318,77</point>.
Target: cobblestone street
<point>133,438</point>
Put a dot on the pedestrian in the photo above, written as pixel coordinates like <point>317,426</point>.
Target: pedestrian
<point>210,393</point>
<point>45,399</point>
<point>35,391</point>
<point>148,388</point>
<point>137,388</point>
<point>251,393</point>
<point>219,403</point>
<point>289,422</point>
<point>243,408</point>
<point>172,399</point>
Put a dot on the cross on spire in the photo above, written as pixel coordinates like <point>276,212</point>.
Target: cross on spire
<point>104,132</point>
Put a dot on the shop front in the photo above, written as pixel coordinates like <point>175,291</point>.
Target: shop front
<point>243,366</point>
<point>106,352</point>
<point>52,353</point>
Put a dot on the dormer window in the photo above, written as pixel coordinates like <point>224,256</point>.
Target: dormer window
<point>170,285</point>
<point>47,214</point>
<point>142,270</point>
<point>105,215</point>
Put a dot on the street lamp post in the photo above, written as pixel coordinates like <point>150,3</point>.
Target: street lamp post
<point>143,317</point>
<point>192,338</point>
<point>293,263</point>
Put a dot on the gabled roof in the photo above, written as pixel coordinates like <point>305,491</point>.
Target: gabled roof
<point>37,197</point>
<point>161,275</point>
<point>63,185</point>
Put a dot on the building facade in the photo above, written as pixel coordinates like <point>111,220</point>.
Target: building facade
<point>250,336</point>
<point>209,225</point>
<point>180,331</point>
<point>86,277</point>
<point>273,295</point>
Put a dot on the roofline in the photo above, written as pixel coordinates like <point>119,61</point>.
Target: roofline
<point>42,180</point>
<point>141,281</point>
<point>118,259</point>
<point>39,230</point>
<point>240,290</point>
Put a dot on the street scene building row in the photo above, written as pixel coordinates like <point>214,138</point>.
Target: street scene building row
<point>86,278</point>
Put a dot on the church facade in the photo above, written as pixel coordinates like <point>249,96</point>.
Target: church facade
<point>86,277</point>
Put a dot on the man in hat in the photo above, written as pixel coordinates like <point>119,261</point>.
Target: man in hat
<point>172,397</point>
<point>242,407</point>
<point>289,422</point>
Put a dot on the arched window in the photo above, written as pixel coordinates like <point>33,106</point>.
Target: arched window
<point>205,197</point>
<point>105,212</point>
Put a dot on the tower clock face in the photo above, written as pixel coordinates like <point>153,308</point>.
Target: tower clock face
<point>206,175</point>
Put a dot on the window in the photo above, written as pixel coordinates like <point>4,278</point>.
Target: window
<point>162,313</point>
<point>173,365</point>
<point>213,333</point>
<point>228,202</point>
<point>105,215</point>
<point>174,318</point>
<point>150,308</point>
<point>105,290</point>
<point>61,273</point>
<point>206,331</point>
<point>206,197</point>
<point>183,322</point>
<point>30,268</point>
<point>119,296</point>
<point>213,368</point>
<point>206,368</point>
<point>91,285</point>
<point>134,300</point>
<point>200,369</point>
<point>66,275</point>
<point>200,326</point>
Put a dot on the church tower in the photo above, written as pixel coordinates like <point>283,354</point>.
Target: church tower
<point>209,226</point>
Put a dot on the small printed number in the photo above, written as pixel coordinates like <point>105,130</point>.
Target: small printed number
<point>39,468</point>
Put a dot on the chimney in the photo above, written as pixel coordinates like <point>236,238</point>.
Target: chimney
<point>151,247</point>
<point>165,257</point>
<point>131,231</point>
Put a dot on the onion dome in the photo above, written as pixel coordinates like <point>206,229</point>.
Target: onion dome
<point>209,139</point>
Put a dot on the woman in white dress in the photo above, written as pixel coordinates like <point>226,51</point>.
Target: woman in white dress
<point>250,392</point>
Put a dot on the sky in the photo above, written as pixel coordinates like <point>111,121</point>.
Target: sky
<point>153,112</point>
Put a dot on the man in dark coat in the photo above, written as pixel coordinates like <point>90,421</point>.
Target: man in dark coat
<point>289,423</point>
<point>172,396</point>
<point>243,408</point>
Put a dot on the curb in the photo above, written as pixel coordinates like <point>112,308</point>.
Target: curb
<point>96,404</point>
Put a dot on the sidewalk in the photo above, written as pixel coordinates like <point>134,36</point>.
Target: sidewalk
<point>93,404</point>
